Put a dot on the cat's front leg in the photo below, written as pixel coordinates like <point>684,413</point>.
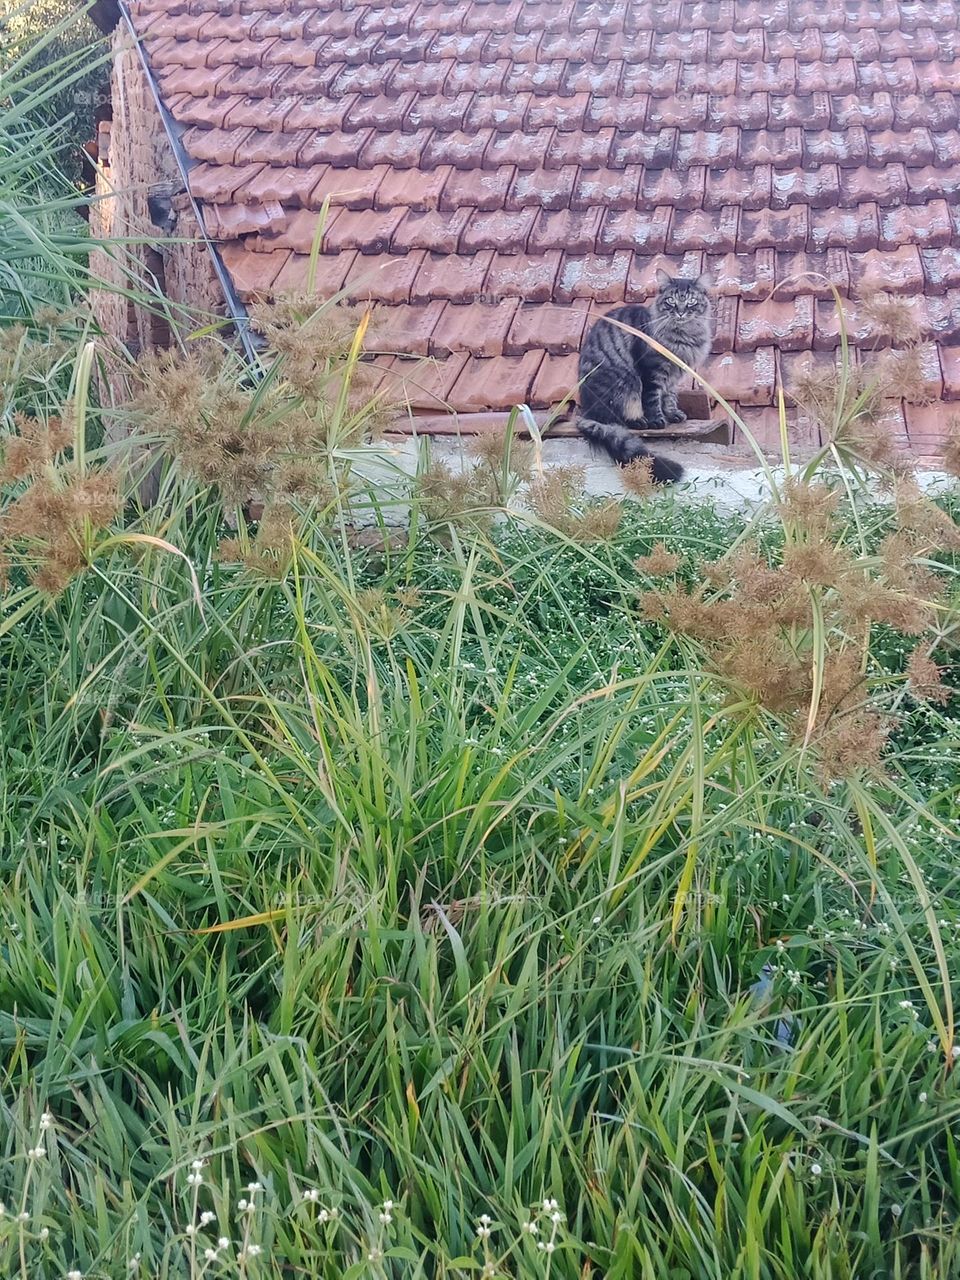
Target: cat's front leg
<point>671,409</point>
<point>633,411</point>
<point>653,406</point>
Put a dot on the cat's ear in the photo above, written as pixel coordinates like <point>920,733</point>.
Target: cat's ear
<point>663,279</point>
<point>705,281</point>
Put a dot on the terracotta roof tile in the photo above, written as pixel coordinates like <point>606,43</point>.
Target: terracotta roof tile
<point>460,149</point>
<point>748,188</point>
<point>747,377</point>
<point>599,277</point>
<point>713,148</point>
<point>928,225</point>
<point>479,328</point>
<point>431,230</point>
<point>569,229</point>
<point>411,188</point>
<point>486,189</point>
<point>496,168</point>
<point>403,329</point>
<point>746,275</point>
<point>709,230</point>
<point>941,269</point>
<point>492,383</point>
<point>887,185</point>
<point>812,273</point>
<point>425,384</point>
<point>384,279</point>
<point>856,229</point>
<point>351,188</point>
<point>558,329</point>
<point>785,325</point>
<point>456,277</point>
<point>556,382</point>
<point>532,278</point>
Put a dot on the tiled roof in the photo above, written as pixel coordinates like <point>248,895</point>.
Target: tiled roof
<point>498,167</point>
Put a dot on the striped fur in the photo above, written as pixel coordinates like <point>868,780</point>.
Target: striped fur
<point>625,384</point>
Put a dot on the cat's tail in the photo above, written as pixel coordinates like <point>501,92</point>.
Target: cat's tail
<point>623,446</point>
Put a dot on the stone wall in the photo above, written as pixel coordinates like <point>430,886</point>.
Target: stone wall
<point>142,209</point>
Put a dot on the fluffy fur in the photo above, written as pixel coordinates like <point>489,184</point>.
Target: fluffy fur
<point>625,384</point>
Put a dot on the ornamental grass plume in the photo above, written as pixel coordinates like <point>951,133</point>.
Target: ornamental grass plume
<point>557,498</point>
<point>793,636</point>
<point>48,526</point>
<point>850,402</point>
<point>273,442</point>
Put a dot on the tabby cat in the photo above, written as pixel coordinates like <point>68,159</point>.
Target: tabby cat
<point>625,384</point>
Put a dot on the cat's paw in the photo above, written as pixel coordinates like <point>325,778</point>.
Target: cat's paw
<point>676,415</point>
<point>655,422</point>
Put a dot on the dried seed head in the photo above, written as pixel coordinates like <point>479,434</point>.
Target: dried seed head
<point>851,743</point>
<point>660,563</point>
<point>893,317</point>
<point>924,679</point>
<point>637,477</point>
<point>810,507</point>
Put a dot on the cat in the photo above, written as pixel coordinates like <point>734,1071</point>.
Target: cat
<point>625,384</point>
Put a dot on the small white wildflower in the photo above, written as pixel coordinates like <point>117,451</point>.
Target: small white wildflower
<point>374,1255</point>
<point>323,1215</point>
<point>816,1170</point>
<point>598,919</point>
<point>37,1153</point>
<point>932,1046</point>
<point>923,1096</point>
<point>531,1228</point>
<point>311,1194</point>
<point>556,1218</point>
<point>74,1275</point>
<point>254,1250</point>
<point>223,1243</point>
<point>387,1206</point>
<point>485,1219</point>
<point>206,1218</point>
<point>23,1217</point>
<point>46,1120</point>
<point>191,1229</point>
<point>955,1051</point>
<point>210,1255</point>
<point>45,1233</point>
<point>134,1262</point>
<point>386,1218</point>
<point>254,1187</point>
<point>196,1165</point>
<point>194,1179</point>
<point>896,1210</point>
<point>489,1271</point>
<point>906,1004</point>
<point>549,1205</point>
<point>547,1247</point>
<point>242,1205</point>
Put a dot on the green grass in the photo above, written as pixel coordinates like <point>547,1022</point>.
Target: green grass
<point>437,875</point>
<point>464,902</point>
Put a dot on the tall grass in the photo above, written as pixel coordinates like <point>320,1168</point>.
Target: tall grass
<point>431,880</point>
<point>47,66</point>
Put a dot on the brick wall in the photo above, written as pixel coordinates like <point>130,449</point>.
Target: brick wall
<point>140,202</point>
